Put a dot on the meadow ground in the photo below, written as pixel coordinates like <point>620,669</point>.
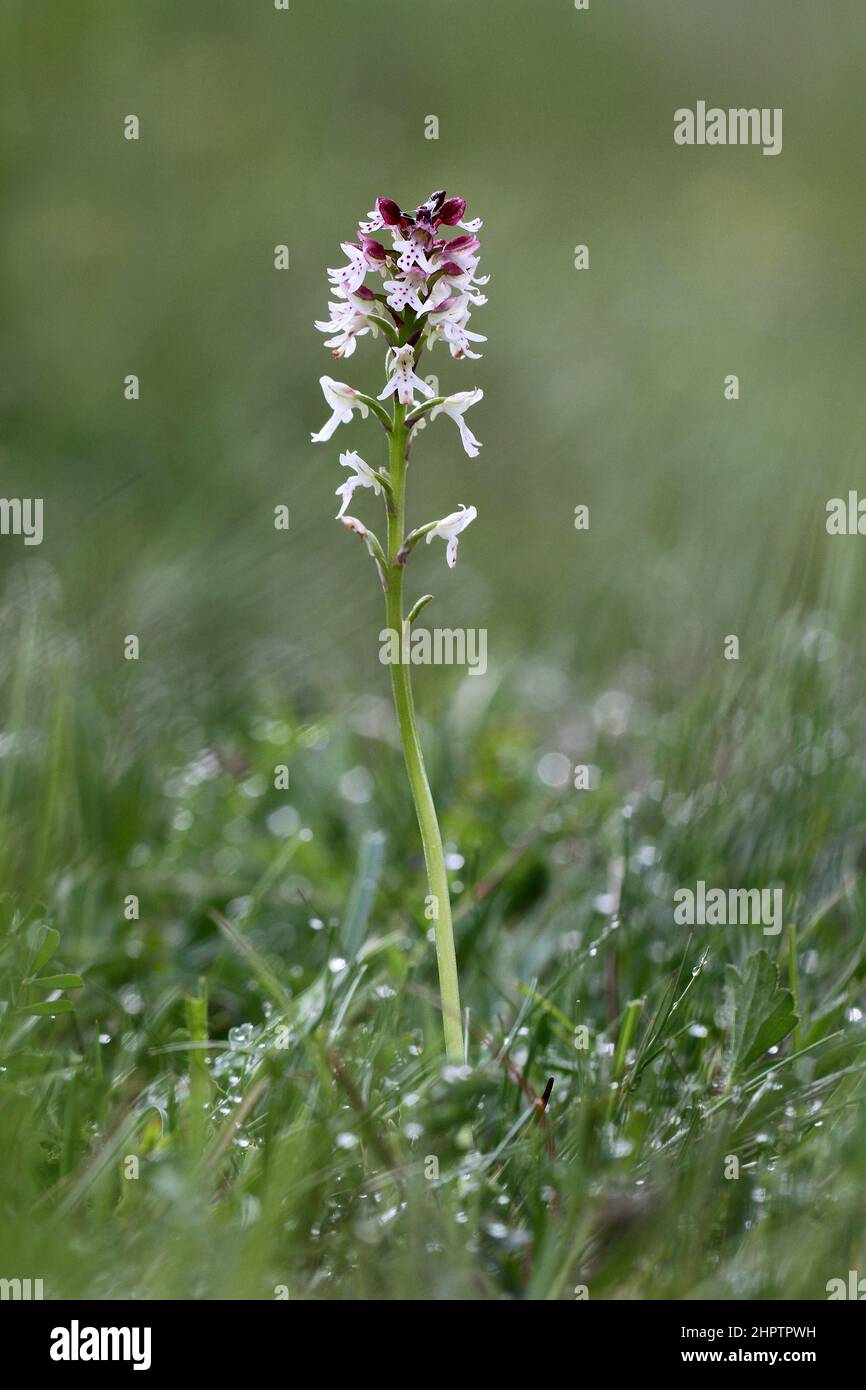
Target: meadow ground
<point>247,1094</point>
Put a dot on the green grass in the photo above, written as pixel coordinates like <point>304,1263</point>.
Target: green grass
<point>264,1039</point>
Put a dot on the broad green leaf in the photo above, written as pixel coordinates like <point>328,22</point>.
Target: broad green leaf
<point>50,942</point>
<point>56,1006</point>
<point>58,982</point>
<point>762,1014</point>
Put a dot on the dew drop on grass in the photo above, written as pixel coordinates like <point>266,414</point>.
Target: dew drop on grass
<point>497,1230</point>
<point>241,1035</point>
<point>621,1148</point>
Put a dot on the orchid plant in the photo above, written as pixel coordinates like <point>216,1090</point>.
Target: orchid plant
<point>425,286</point>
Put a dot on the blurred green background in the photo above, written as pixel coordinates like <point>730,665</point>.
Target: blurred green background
<point>602,386</point>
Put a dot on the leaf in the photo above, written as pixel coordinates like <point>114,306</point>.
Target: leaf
<point>57,982</point>
<point>367,875</point>
<point>55,1006</point>
<point>50,942</point>
<point>762,1014</point>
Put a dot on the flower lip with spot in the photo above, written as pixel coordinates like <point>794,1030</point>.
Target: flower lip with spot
<point>455,407</point>
<point>347,278</point>
<point>343,400</point>
<point>363,477</point>
<point>449,529</point>
<point>406,291</point>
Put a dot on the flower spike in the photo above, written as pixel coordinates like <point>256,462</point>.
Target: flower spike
<point>422,289</point>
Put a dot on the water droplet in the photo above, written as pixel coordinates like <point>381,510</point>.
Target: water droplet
<point>241,1035</point>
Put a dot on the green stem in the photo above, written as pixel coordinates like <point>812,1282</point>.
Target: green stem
<point>633,1011</point>
<point>425,809</point>
<point>793,981</point>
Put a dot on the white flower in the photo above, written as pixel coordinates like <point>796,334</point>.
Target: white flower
<point>406,290</point>
<point>449,529</point>
<point>350,277</point>
<point>343,400</point>
<point>350,319</point>
<point>412,250</point>
<point>363,477</point>
<point>455,406</point>
<point>402,379</point>
<point>374,223</point>
<point>449,322</point>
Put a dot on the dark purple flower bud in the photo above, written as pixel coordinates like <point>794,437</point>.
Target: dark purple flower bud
<point>464,243</point>
<point>432,204</point>
<point>363,293</point>
<point>388,211</point>
<point>451,212</point>
<point>373,248</point>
